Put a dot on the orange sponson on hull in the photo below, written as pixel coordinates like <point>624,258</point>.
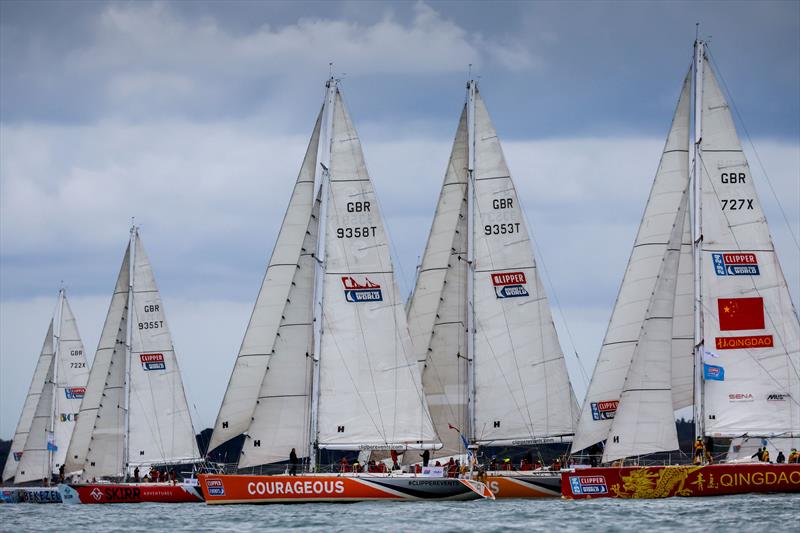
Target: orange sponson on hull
<point>524,485</point>
<point>666,481</point>
<point>228,489</point>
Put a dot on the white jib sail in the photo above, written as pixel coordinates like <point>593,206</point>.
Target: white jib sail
<point>639,281</point>
<point>247,382</point>
<point>35,461</point>
<point>645,419</point>
<point>437,309</point>
<point>370,389</point>
<point>281,418</point>
<point>96,447</point>
<point>29,407</point>
<point>160,425</point>
<point>522,389</point>
<point>752,385</point>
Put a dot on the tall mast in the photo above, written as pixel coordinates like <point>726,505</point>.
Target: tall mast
<point>128,346</point>
<point>321,185</point>
<point>56,339</point>
<point>697,239</point>
<point>471,90</point>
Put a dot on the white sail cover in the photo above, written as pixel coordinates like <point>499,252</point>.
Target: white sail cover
<point>437,310</point>
<point>638,283</point>
<point>522,389</point>
<point>29,407</point>
<point>370,390</point>
<point>160,424</point>
<point>279,419</point>
<point>750,324</point>
<point>97,444</point>
<point>742,449</point>
<point>645,419</point>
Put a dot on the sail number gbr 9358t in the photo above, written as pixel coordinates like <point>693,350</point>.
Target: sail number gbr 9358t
<point>357,232</point>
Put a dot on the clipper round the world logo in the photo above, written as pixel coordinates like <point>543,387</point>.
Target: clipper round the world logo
<point>509,284</point>
<point>356,292</point>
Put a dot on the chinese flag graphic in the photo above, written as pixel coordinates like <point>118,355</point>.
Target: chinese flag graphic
<point>740,313</point>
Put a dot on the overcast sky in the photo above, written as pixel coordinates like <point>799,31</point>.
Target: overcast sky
<point>194,116</point>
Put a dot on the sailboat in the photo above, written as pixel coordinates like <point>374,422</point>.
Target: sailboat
<point>134,411</point>
<point>49,414</point>
<point>326,362</point>
<point>704,319</point>
<point>492,367</point>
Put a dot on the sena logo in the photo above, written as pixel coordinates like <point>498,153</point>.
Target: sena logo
<point>740,397</point>
<point>509,284</point>
<point>778,397</point>
<point>215,487</point>
<point>355,292</point>
<point>75,393</point>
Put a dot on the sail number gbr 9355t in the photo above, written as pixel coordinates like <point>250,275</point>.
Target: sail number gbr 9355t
<point>151,324</point>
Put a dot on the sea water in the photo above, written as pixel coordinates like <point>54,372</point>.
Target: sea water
<point>768,513</point>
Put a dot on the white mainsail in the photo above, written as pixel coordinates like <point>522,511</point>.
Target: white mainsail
<point>135,410</point>
<point>29,407</point>
<point>638,284</point>
<point>522,390</point>
<point>370,390</point>
<point>332,293</point>
<point>160,425</point>
<point>750,323</point>
<point>51,428</point>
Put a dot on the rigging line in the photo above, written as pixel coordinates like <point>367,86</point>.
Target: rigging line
<point>752,145</point>
<point>752,281</point>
